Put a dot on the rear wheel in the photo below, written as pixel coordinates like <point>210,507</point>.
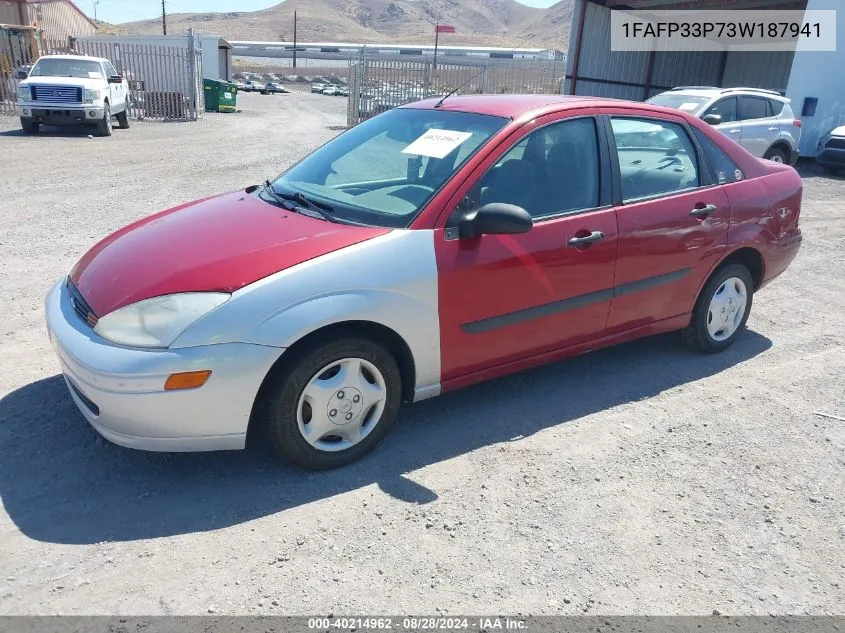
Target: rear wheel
<point>29,126</point>
<point>776,155</point>
<point>331,404</point>
<point>721,311</point>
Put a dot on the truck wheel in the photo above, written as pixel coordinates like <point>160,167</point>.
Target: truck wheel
<point>29,126</point>
<point>104,126</point>
<point>331,404</point>
<point>123,119</point>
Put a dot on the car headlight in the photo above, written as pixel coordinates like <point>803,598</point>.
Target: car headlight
<point>159,321</point>
<point>23,93</point>
<point>93,94</point>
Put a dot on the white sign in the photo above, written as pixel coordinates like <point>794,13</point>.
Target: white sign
<point>437,143</point>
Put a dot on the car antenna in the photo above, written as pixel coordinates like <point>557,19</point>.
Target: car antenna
<point>463,85</point>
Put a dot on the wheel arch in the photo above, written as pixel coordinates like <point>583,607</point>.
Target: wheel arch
<point>749,257</point>
<point>376,332</point>
<point>782,145</point>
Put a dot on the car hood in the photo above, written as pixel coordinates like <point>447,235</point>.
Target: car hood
<point>64,81</point>
<point>221,243</point>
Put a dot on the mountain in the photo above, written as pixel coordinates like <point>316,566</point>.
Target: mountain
<point>477,22</point>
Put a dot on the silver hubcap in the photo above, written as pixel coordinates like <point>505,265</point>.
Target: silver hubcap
<point>341,404</point>
<point>727,307</point>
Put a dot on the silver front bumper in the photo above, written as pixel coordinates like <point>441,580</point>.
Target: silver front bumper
<point>120,390</point>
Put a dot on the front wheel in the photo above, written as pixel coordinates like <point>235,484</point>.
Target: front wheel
<point>332,404</point>
<point>721,311</point>
<point>105,125</point>
<point>123,119</point>
<point>29,126</point>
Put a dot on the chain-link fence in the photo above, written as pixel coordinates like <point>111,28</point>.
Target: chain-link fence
<point>376,85</point>
<point>165,81</point>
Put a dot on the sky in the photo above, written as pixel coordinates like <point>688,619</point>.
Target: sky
<point>116,11</point>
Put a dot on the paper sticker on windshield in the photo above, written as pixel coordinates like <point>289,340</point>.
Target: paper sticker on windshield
<point>688,106</point>
<point>437,143</point>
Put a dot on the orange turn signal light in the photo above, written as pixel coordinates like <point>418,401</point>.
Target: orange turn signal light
<point>186,380</point>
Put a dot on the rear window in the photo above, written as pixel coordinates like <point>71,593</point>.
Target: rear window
<point>776,106</point>
<point>679,101</point>
<point>723,167</point>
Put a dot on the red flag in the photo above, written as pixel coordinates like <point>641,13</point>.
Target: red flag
<point>444,28</point>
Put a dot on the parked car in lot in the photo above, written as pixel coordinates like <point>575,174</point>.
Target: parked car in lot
<point>274,88</point>
<point>761,121</point>
<point>331,90</point>
<point>522,229</point>
<point>253,86</point>
<point>73,90</point>
<point>831,152</point>
<point>241,86</point>
<point>317,88</point>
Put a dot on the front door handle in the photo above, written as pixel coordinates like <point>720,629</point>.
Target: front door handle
<point>703,212</point>
<point>586,240</point>
<point>734,131</point>
<point>774,128</point>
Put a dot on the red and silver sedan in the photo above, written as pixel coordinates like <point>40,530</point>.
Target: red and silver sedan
<point>435,246</point>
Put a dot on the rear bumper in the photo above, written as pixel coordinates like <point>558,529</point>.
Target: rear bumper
<point>120,390</point>
<point>61,114</point>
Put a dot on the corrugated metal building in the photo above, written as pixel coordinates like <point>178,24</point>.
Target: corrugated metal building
<point>56,20</point>
<point>593,69</point>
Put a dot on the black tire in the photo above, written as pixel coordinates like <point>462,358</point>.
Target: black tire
<point>276,408</point>
<point>29,127</point>
<point>777,155</point>
<point>105,125</point>
<point>123,119</point>
<point>696,335</point>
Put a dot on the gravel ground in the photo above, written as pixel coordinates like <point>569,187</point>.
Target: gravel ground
<point>638,480</point>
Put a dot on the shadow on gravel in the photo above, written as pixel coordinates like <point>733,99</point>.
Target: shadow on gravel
<point>55,131</point>
<point>809,169</point>
<point>59,482</point>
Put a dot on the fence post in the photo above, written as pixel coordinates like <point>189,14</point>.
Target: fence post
<point>484,78</point>
<point>192,79</point>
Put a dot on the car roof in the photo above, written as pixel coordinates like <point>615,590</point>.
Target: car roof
<point>85,57</point>
<point>513,106</point>
<point>713,91</point>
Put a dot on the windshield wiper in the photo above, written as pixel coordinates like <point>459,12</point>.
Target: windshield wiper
<point>313,208</point>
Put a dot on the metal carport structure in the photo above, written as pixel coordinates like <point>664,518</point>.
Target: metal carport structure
<point>593,69</point>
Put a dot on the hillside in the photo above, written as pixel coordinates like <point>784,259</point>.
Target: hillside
<point>478,22</point>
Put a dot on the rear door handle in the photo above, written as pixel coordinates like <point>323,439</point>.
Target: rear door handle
<point>595,236</point>
<point>703,212</point>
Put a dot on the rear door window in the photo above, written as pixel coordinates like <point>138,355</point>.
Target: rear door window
<point>655,157</point>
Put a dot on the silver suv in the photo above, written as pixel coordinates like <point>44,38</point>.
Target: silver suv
<point>759,120</point>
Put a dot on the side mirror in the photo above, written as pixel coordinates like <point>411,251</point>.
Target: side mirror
<point>712,119</point>
<point>496,218</point>
<point>116,79</point>
<point>21,74</point>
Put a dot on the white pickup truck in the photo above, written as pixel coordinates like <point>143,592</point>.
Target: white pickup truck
<point>73,90</point>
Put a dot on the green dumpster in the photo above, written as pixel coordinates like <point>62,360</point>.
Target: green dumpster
<point>220,96</point>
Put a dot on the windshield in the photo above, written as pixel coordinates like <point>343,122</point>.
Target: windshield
<point>384,171</point>
<point>80,68</point>
<point>679,101</point>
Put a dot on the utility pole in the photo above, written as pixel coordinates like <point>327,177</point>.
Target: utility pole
<point>294,39</point>
<point>436,41</point>
<point>163,18</point>
<point>96,2</point>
